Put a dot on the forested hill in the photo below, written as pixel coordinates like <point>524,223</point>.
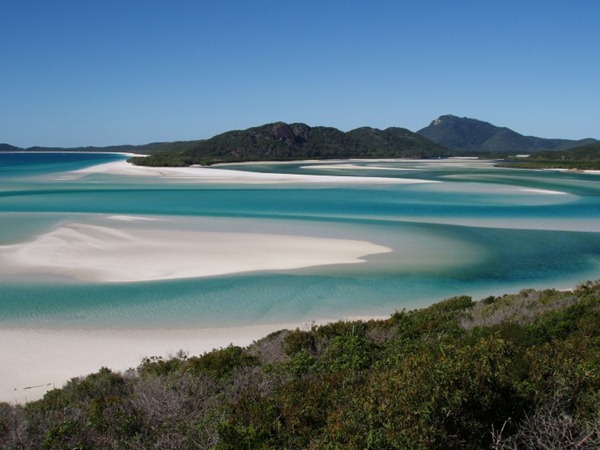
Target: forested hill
<point>280,141</point>
<point>444,137</point>
<point>470,135</point>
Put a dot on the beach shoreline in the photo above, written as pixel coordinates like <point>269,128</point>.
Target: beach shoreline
<point>36,360</point>
<point>220,174</point>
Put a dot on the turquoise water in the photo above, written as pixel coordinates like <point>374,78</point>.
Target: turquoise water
<point>477,230</point>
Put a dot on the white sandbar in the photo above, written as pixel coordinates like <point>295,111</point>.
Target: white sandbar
<point>201,174</point>
<point>121,253</point>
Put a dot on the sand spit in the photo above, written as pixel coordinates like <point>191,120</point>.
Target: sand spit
<point>201,174</point>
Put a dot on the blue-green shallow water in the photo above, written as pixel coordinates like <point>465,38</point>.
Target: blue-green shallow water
<point>437,250</point>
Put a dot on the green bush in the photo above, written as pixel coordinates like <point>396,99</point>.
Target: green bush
<point>219,363</point>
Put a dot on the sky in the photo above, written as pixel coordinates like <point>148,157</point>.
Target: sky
<point>110,72</point>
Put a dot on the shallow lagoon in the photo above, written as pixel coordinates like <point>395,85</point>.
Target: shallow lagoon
<point>475,230</point>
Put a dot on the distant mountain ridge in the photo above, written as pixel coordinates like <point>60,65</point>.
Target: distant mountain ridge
<point>283,142</point>
<point>9,148</point>
<point>276,141</point>
<point>472,135</point>
<point>140,149</point>
<point>446,136</point>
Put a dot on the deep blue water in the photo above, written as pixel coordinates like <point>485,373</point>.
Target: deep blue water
<point>478,231</point>
<point>35,163</point>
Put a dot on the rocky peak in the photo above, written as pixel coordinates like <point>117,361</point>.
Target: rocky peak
<point>443,119</point>
<point>283,132</point>
<point>301,131</point>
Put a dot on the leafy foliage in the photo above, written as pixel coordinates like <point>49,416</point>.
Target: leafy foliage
<point>515,371</point>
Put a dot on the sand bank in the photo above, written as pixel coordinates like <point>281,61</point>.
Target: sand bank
<point>202,174</point>
<point>349,166</point>
<point>95,253</point>
<point>37,360</point>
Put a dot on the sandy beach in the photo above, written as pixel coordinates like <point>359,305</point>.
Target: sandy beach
<point>35,361</point>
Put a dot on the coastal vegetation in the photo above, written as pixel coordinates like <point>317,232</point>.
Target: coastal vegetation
<point>507,372</point>
<point>586,157</point>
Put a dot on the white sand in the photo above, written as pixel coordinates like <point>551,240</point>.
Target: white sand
<point>124,254</point>
<point>355,167</point>
<point>37,360</point>
<point>200,174</point>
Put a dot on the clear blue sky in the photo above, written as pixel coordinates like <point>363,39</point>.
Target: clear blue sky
<point>104,72</point>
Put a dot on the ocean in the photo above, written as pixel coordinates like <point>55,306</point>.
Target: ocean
<point>473,229</point>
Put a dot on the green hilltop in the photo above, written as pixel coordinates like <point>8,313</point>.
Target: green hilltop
<point>280,141</point>
<point>462,134</point>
